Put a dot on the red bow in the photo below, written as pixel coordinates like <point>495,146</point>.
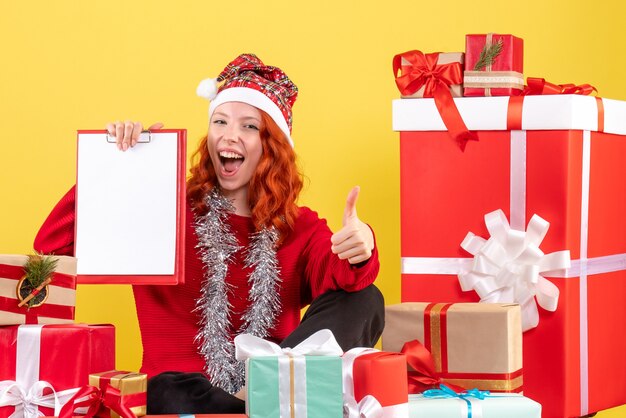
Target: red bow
<point>539,86</point>
<point>94,398</point>
<point>423,71</point>
<point>423,376</point>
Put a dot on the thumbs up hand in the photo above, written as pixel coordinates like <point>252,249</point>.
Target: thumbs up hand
<point>355,240</point>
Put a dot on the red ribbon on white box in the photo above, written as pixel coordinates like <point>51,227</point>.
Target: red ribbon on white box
<point>26,391</point>
<point>580,268</point>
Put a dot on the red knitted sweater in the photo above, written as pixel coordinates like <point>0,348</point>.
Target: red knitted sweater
<point>168,324</point>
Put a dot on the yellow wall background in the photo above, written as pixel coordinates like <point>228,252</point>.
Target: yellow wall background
<point>68,65</point>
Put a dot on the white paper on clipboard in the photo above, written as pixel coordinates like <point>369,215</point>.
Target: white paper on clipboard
<point>126,206</point>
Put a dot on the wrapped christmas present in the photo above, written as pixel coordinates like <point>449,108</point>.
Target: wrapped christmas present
<point>473,345</point>
<point>413,71</point>
<point>37,289</point>
<point>374,384</point>
<point>535,190</point>
<point>494,65</point>
<point>446,403</point>
<point>296,382</point>
<point>43,366</point>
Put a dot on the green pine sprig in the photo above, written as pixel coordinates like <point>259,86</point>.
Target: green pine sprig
<point>488,55</point>
<point>38,268</point>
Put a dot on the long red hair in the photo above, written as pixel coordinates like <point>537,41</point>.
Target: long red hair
<point>273,189</point>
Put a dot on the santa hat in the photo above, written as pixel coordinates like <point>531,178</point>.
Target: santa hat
<point>248,80</point>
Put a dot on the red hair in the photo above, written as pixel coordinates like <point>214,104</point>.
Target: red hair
<point>274,186</point>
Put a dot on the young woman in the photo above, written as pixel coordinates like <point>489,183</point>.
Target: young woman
<point>253,257</point>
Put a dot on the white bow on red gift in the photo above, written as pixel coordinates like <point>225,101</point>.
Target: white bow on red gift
<point>507,267</point>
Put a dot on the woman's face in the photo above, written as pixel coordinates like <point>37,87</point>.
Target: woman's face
<point>235,148</point>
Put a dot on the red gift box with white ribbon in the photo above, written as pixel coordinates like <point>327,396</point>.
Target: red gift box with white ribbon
<point>560,157</point>
<point>42,366</point>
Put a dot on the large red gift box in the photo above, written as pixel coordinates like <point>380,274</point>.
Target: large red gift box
<point>561,157</point>
<point>37,359</point>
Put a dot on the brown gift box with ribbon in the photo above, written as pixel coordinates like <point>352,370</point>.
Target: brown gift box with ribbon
<point>132,389</point>
<point>494,65</point>
<point>473,345</point>
<point>52,304</point>
<point>443,58</point>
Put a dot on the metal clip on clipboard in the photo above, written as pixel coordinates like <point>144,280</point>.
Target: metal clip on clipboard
<point>144,137</point>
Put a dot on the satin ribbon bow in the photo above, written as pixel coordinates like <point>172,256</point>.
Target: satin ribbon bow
<point>507,267</point>
<point>423,71</point>
<point>423,376</point>
<point>539,86</point>
<point>26,401</point>
<point>445,392</point>
<point>322,343</point>
<point>94,398</point>
<point>368,407</point>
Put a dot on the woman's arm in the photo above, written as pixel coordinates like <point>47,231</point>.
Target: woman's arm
<point>56,235</point>
<point>324,270</point>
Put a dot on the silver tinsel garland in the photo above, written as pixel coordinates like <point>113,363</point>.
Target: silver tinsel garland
<point>217,245</point>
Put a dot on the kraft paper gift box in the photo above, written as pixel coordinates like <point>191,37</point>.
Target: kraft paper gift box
<point>40,359</point>
<point>447,404</point>
<point>407,63</point>
<point>374,384</point>
<point>304,381</point>
<point>560,157</point>
<point>58,298</point>
<point>474,345</point>
<point>503,76</point>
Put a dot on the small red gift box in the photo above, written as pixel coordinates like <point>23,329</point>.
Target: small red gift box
<point>58,298</point>
<point>42,359</point>
<point>494,65</point>
<point>560,157</point>
<point>382,375</point>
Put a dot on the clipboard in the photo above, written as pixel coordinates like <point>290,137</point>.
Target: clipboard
<point>130,208</point>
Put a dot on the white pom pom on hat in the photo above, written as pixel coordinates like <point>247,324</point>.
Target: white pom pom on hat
<point>207,88</point>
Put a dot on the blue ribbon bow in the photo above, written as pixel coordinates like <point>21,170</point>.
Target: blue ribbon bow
<point>445,392</point>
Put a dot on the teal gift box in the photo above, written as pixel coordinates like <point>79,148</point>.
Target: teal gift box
<point>495,405</point>
<point>301,382</point>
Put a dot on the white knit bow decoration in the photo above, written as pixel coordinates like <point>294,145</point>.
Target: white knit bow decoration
<point>507,267</point>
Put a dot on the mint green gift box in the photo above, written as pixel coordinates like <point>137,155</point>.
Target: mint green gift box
<point>300,382</point>
<point>495,405</point>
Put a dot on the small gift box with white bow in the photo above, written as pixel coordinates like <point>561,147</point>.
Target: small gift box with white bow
<point>43,366</point>
<point>374,384</point>
<point>473,345</point>
<point>446,403</point>
<point>303,381</point>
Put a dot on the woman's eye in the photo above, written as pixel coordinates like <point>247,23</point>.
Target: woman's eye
<point>219,121</point>
<point>256,128</point>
